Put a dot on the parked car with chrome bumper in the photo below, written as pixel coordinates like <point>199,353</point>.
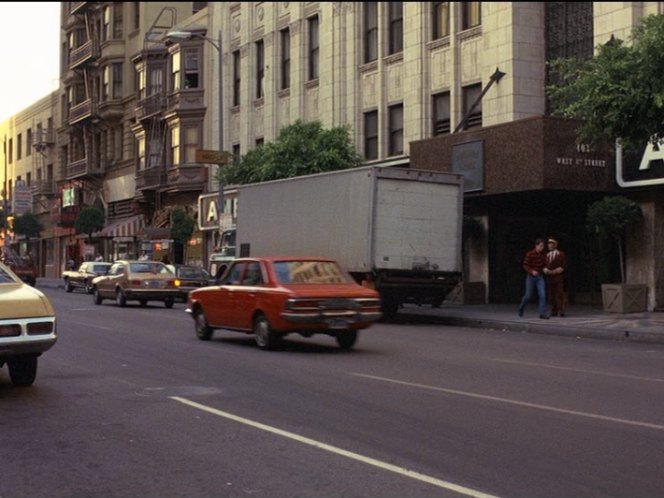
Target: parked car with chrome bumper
<point>27,327</point>
<point>140,281</point>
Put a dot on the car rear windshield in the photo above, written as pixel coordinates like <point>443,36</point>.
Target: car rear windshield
<point>309,272</point>
<point>191,273</point>
<point>148,268</point>
<point>101,269</point>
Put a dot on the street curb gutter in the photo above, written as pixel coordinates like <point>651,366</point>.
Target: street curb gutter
<point>547,329</point>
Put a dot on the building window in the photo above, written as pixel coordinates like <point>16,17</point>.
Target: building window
<point>395,123</point>
<point>285,58</point>
<point>155,81</point>
<point>106,23</point>
<point>259,142</point>
<point>28,179</point>
<point>370,31</point>
<point>137,15</point>
<point>441,19</point>
<point>28,142</point>
<point>396,27</point>
<point>19,147</point>
<point>191,68</point>
<point>141,81</point>
<point>236,77</point>
<point>236,153</point>
<point>190,144</point>
<point>470,95</point>
<point>175,71</point>
<point>175,145</point>
<point>313,47</point>
<point>117,80</point>
<point>140,142</point>
<point>117,19</point>
<point>260,69</point>
<point>441,113</point>
<point>105,82</point>
<point>471,14</point>
<point>371,135</point>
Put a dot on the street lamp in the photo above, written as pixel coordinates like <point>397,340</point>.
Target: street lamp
<point>187,35</point>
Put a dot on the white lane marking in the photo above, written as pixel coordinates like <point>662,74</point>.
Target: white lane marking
<point>90,325</point>
<point>579,370</point>
<point>515,402</point>
<point>338,451</point>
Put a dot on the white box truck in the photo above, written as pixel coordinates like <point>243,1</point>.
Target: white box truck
<point>396,230</point>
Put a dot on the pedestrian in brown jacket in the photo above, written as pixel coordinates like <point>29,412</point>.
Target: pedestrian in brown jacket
<point>556,264</point>
<point>533,264</point>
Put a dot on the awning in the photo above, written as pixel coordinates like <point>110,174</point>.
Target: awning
<point>127,227</point>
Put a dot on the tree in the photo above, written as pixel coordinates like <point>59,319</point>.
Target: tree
<point>28,225</point>
<point>89,221</point>
<point>182,227</point>
<point>609,217</point>
<point>300,149</point>
<point>619,93</point>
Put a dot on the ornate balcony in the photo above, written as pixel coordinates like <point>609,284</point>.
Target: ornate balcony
<point>186,177</point>
<point>151,106</point>
<point>87,52</point>
<point>186,101</point>
<point>81,111</point>
<point>43,187</point>
<point>151,178</point>
<point>83,167</point>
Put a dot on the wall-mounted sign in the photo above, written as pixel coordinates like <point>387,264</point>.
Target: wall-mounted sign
<point>640,168</point>
<point>209,216</point>
<point>468,160</point>
<point>69,197</point>
<point>21,198</point>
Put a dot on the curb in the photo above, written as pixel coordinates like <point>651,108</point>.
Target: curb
<point>545,329</point>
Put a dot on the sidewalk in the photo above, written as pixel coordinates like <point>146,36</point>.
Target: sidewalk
<point>580,321</point>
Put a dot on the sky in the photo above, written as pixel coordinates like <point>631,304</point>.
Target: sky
<point>29,54</point>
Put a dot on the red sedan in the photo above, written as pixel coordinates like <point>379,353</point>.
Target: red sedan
<point>273,297</point>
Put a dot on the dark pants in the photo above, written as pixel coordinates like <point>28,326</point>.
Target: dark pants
<point>533,283</point>
<point>556,291</point>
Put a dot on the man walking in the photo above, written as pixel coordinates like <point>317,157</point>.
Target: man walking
<point>533,264</point>
<point>556,263</point>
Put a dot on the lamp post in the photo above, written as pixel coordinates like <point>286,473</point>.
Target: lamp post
<point>186,35</point>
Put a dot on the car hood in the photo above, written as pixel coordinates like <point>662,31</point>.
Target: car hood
<point>22,301</point>
<point>330,290</point>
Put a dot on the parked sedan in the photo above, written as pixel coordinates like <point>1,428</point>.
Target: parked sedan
<point>188,278</point>
<point>82,278</point>
<point>273,297</point>
<point>27,327</point>
<point>140,281</point>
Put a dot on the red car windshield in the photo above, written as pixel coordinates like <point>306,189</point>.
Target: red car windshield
<point>309,272</point>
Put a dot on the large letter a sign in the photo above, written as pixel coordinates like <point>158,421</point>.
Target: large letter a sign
<point>653,152</point>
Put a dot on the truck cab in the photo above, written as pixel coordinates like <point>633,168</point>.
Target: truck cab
<point>224,253</point>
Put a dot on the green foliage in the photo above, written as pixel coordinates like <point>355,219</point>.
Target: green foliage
<point>89,220</point>
<point>300,149</point>
<point>182,225</point>
<point>609,217</point>
<point>28,225</point>
<point>620,92</point>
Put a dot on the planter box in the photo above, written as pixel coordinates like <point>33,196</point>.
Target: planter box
<point>624,298</point>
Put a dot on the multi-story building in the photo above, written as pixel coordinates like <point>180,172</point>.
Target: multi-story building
<point>456,86</point>
<point>29,165</point>
<point>114,140</point>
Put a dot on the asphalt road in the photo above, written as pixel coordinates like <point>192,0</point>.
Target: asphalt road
<point>130,403</point>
